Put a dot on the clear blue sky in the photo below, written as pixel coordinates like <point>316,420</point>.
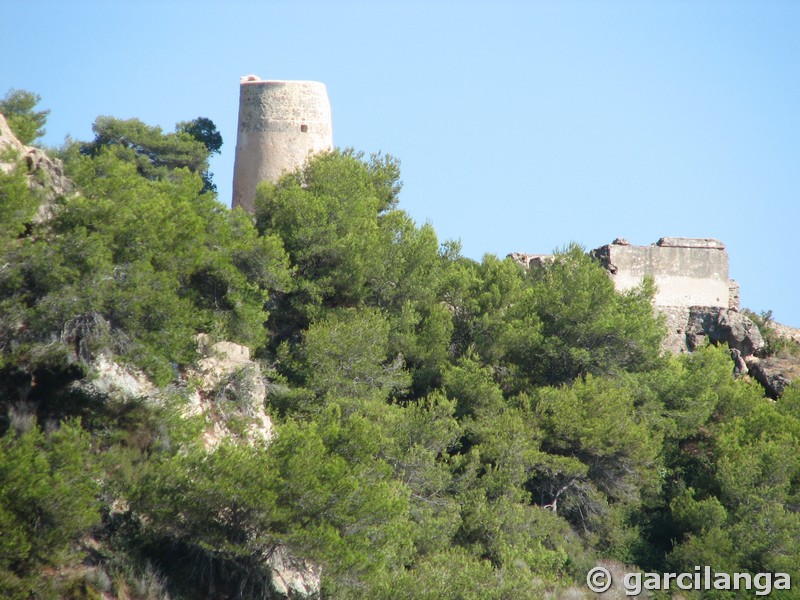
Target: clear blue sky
<point>521,126</point>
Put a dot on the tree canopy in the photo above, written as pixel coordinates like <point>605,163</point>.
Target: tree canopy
<point>157,155</point>
<point>27,124</point>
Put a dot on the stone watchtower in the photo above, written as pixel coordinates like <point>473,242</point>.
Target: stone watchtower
<point>280,124</point>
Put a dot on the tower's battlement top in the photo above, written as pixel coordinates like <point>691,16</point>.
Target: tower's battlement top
<point>255,79</point>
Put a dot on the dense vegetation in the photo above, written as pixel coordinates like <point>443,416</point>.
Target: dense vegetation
<point>445,428</point>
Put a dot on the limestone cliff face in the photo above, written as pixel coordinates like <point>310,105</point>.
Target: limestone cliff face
<point>778,371</point>
<point>107,378</point>
<point>774,373</point>
<point>784,331</point>
<point>45,174</point>
<point>224,387</point>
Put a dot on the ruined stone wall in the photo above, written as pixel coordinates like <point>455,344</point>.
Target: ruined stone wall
<point>280,124</point>
<point>687,272</point>
<point>695,298</point>
<point>694,294</point>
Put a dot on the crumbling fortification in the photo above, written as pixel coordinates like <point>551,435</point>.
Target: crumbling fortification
<point>687,271</point>
<point>280,124</point>
<point>700,303</point>
<point>693,290</point>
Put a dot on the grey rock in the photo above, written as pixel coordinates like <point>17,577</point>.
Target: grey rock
<point>228,388</point>
<point>739,364</point>
<point>111,379</point>
<point>689,328</point>
<point>774,373</point>
<point>784,331</point>
<point>739,332</point>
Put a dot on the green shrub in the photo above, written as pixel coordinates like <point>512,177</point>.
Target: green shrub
<point>48,499</point>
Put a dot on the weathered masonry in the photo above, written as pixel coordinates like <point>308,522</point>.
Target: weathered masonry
<point>687,271</point>
<point>694,293</point>
<point>699,303</point>
<point>280,124</point>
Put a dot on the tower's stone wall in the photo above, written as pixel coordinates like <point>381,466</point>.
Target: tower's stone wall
<point>280,124</point>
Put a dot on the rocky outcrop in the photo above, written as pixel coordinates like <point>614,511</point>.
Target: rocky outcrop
<point>111,379</point>
<point>784,331</point>
<point>724,326</point>
<point>688,328</point>
<point>774,373</point>
<point>739,332</point>
<point>224,386</point>
<point>293,577</point>
<point>45,175</point>
<point>744,338</point>
<point>105,375</point>
<point>229,391</point>
<point>228,388</point>
<point>530,260</point>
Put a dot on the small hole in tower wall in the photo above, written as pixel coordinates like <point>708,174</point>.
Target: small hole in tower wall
<point>304,128</point>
